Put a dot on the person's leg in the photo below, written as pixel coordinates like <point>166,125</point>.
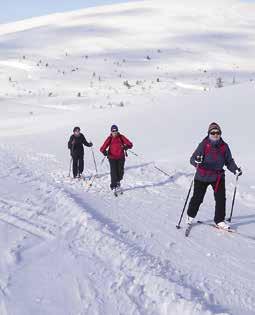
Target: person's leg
<point>75,165</point>
<point>121,164</point>
<point>220,201</point>
<point>114,173</point>
<point>197,198</point>
<point>81,164</point>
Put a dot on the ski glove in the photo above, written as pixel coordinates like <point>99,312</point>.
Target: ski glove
<point>105,153</point>
<point>199,159</point>
<point>238,172</point>
<point>90,144</point>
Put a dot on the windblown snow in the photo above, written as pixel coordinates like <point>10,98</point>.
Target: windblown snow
<point>162,71</point>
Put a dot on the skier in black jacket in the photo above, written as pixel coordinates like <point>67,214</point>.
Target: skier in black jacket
<point>75,145</point>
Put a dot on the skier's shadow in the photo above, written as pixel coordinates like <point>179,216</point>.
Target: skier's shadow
<point>170,179</point>
<point>243,220</point>
<point>127,168</point>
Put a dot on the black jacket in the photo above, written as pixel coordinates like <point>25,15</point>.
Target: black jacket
<point>76,148</point>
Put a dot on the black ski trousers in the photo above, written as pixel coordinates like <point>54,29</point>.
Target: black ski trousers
<point>198,197</point>
<point>117,171</point>
<point>78,164</point>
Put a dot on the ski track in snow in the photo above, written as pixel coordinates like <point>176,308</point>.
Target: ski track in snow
<point>57,209</point>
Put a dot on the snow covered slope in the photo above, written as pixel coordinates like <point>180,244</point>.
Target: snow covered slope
<point>153,68</point>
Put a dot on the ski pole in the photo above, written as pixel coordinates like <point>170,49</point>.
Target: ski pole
<point>160,170</point>
<point>93,154</point>
<point>133,152</point>
<point>71,160</point>
<point>70,167</point>
<point>102,162</point>
<point>186,201</point>
<point>157,168</point>
<point>233,200</point>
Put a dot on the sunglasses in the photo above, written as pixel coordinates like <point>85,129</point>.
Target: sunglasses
<point>114,131</point>
<point>214,133</point>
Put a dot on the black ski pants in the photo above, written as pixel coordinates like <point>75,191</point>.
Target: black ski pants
<point>117,171</point>
<point>78,164</point>
<point>219,196</point>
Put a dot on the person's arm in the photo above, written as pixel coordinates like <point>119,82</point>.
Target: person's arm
<point>105,146</point>
<point>126,143</point>
<point>198,154</point>
<point>229,161</point>
<point>86,143</point>
<point>70,143</point>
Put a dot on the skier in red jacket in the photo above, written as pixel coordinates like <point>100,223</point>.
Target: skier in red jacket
<point>115,148</point>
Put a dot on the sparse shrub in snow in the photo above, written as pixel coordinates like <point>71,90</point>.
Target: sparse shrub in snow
<point>121,104</point>
<point>148,58</point>
<point>158,80</point>
<point>50,94</point>
<point>219,82</point>
<point>126,83</point>
<point>79,94</point>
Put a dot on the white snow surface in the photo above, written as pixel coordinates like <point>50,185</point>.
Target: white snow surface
<point>67,249</point>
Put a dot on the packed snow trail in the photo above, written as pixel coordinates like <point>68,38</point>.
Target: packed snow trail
<point>134,240</point>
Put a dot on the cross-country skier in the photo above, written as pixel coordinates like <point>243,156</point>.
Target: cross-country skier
<point>75,145</point>
<point>115,148</point>
<point>209,158</point>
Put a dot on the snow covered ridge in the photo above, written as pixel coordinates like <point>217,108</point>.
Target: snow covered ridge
<point>141,46</point>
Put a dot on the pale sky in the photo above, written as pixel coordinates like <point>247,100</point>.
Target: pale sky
<point>13,10</point>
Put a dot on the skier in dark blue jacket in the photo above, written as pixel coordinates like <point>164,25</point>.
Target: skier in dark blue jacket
<point>211,155</point>
<point>75,145</point>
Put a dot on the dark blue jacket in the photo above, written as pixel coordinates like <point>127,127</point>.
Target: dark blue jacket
<point>76,148</point>
<point>213,163</point>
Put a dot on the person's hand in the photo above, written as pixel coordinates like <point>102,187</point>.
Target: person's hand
<point>105,153</point>
<point>90,144</point>
<point>238,172</point>
<point>125,147</point>
<point>199,159</point>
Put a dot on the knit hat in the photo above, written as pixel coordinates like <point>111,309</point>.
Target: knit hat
<point>76,129</point>
<point>213,126</point>
<point>114,128</point>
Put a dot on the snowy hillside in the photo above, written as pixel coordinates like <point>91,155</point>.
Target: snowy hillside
<point>154,68</point>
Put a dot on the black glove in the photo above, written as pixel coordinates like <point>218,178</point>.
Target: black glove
<point>90,144</point>
<point>238,172</point>
<point>125,147</point>
<point>105,153</point>
<point>199,159</point>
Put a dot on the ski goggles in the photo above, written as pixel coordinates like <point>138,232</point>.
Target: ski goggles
<point>214,133</point>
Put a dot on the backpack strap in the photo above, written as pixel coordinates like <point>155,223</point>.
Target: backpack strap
<point>121,139</point>
<point>208,149</point>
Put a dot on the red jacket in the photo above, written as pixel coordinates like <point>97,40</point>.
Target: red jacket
<point>116,146</point>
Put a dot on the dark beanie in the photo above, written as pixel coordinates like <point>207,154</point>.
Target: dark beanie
<point>213,126</point>
<point>76,129</point>
<point>114,128</point>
